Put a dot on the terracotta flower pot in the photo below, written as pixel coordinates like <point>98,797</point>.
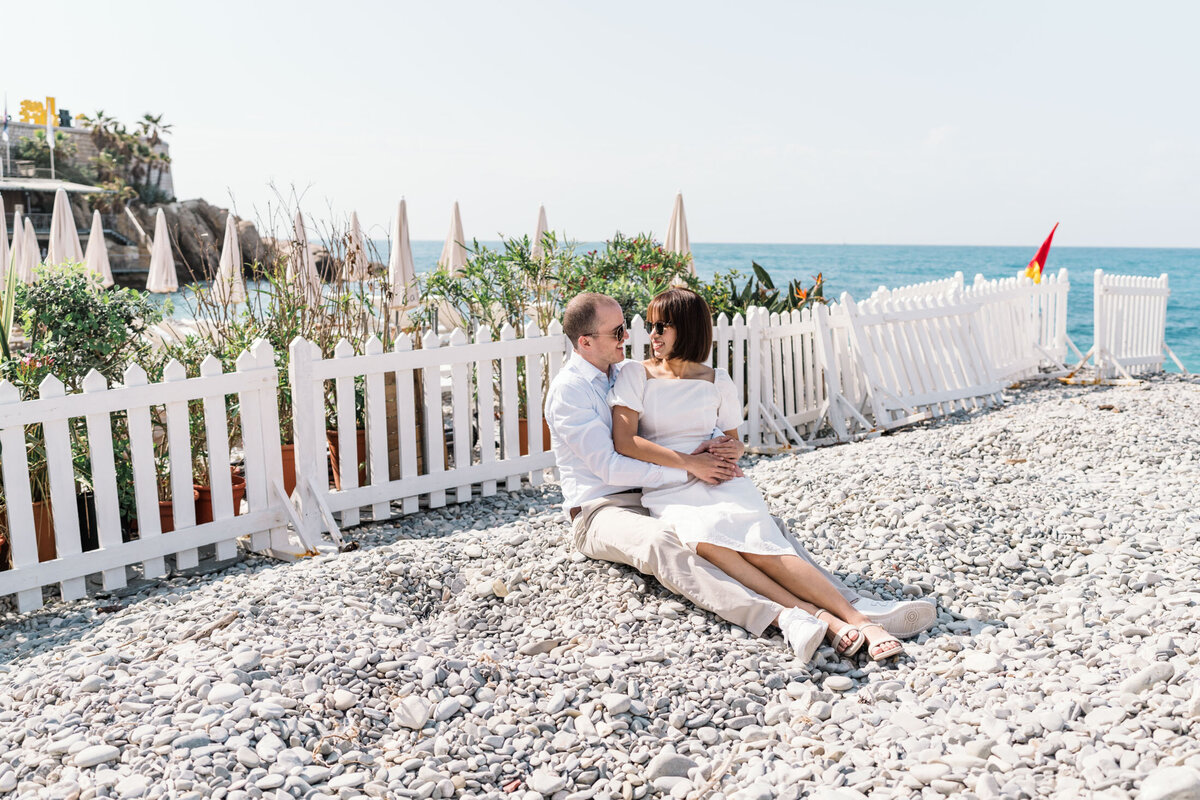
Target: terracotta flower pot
<point>289,469</point>
<point>166,512</point>
<point>43,526</point>
<point>204,508</point>
<point>335,461</point>
<point>523,435</point>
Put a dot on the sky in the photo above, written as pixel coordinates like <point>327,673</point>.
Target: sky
<point>791,122</point>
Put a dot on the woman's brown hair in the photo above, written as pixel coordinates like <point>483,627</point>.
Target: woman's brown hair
<point>690,317</point>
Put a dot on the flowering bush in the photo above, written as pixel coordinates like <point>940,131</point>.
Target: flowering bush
<point>631,270</point>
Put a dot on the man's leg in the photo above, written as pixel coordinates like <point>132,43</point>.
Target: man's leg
<point>618,529</point>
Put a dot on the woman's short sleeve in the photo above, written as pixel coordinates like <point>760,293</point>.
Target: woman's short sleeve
<point>729,412</point>
<point>629,387</point>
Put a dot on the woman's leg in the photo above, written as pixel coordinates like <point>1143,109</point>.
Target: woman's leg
<point>737,566</point>
<point>800,578</point>
<point>803,580</point>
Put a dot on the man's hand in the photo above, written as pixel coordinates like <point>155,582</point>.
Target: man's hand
<point>712,469</point>
<point>724,446</point>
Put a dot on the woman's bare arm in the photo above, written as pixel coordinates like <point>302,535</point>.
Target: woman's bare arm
<point>705,466</point>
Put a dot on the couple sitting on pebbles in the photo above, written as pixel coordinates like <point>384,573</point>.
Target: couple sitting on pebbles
<point>647,454</point>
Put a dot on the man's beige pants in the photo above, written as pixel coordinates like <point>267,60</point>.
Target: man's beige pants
<point>618,528</point>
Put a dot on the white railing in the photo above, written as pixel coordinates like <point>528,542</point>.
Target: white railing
<point>141,407</point>
<point>923,289</point>
<point>1129,318</point>
<point>479,443</point>
<point>921,357</point>
<point>1024,324</point>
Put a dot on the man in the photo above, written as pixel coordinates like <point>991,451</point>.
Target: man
<point>602,493</point>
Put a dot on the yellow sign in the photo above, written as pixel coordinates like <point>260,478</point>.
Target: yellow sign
<point>37,113</point>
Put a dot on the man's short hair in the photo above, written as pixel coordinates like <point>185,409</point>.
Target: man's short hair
<point>690,317</point>
<point>579,318</point>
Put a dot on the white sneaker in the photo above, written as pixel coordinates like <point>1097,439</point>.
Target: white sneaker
<point>802,631</point>
<point>902,618</point>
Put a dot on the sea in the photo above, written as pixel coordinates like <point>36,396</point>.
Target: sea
<point>860,269</point>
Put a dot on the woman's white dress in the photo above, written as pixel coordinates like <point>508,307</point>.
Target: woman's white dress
<point>680,414</point>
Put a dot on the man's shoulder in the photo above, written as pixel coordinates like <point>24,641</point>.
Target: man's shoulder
<point>566,379</point>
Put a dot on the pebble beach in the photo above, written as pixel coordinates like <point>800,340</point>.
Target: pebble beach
<point>470,652</point>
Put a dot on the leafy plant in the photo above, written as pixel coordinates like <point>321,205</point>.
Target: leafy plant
<point>8,307</point>
<point>73,326</point>
<point>725,297</point>
<point>631,270</point>
<point>68,318</point>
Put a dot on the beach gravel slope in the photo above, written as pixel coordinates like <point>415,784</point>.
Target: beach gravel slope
<point>469,651</point>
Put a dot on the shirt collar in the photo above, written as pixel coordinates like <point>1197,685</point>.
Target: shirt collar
<point>588,369</point>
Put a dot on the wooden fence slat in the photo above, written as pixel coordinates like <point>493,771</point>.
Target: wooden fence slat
<point>22,535</point>
<point>256,441</point>
<point>486,410</point>
<point>435,442</point>
<point>509,406</point>
<point>179,454</point>
<point>460,405</point>
<point>533,403</point>
<point>377,438</point>
<point>347,430</point>
<point>216,437</point>
<point>406,424</point>
<point>104,480</point>
<point>60,469</point>
<point>145,477</point>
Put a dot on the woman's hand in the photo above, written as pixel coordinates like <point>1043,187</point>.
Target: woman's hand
<point>710,468</point>
<point>728,447</point>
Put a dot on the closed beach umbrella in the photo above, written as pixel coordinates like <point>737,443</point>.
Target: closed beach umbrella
<point>31,253</point>
<point>453,258</point>
<point>356,252</point>
<point>454,253</point>
<point>4,251</point>
<point>64,238</point>
<point>677,234</point>
<point>97,253</point>
<point>538,232</point>
<point>302,269</point>
<point>162,278</point>
<point>229,286</point>
<point>402,272</point>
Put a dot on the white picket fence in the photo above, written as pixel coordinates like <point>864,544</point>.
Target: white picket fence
<point>1024,324</point>
<point>1129,320</point>
<point>441,420</point>
<point>484,403</point>
<point>144,405</point>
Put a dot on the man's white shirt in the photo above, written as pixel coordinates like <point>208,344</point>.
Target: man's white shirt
<point>580,422</point>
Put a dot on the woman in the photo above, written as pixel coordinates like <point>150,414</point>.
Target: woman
<point>663,408</point>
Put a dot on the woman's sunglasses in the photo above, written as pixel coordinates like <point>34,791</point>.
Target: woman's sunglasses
<point>658,327</point>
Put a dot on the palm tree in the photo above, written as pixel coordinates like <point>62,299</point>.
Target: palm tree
<point>153,128</point>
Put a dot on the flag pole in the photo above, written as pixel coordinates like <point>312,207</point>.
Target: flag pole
<point>50,142</point>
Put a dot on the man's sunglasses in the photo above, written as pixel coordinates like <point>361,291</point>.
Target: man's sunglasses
<point>619,333</point>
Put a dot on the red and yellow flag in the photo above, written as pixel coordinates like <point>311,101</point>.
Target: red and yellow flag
<point>1038,264</point>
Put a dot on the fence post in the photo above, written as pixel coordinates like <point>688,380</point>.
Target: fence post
<point>60,470</point>
<point>104,478</point>
<point>347,427</point>
<point>15,465</point>
<point>755,342</point>
<point>307,430</point>
<point>1099,332</point>
<point>435,437</point>
<point>377,440</point>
